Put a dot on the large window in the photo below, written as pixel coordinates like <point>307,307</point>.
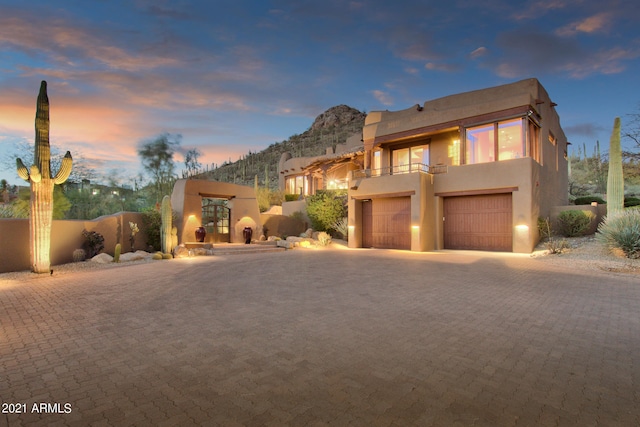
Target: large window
<point>480,144</point>
<point>402,159</point>
<point>296,185</point>
<point>502,140</point>
<point>510,140</point>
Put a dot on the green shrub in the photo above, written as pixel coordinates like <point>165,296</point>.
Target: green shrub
<point>622,232</point>
<point>325,208</point>
<point>544,228</point>
<point>631,201</point>
<point>297,215</point>
<point>574,223</point>
<point>291,197</point>
<point>152,222</point>
<point>587,200</point>
<point>93,242</point>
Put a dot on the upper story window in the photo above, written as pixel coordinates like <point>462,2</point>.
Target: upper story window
<point>296,185</point>
<point>403,158</point>
<point>503,140</point>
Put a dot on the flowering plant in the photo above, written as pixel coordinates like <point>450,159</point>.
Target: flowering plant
<point>134,229</point>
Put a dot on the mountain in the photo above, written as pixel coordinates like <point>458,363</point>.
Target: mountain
<point>330,128</point>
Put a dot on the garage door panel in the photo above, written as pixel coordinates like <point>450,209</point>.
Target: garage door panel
<point>481,222</point>
<point>390,220</point>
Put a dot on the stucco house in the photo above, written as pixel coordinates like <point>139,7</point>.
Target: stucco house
<point>468,171</point>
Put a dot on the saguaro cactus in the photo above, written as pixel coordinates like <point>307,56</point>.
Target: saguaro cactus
<point>39,176</point>
<point>615,179</point>
<point>165,230</point>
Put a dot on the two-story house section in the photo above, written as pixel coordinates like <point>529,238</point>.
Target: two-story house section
<point>468,171</point>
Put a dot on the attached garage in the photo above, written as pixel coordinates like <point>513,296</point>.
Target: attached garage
<point>386,223</point>
<point>479,222</point>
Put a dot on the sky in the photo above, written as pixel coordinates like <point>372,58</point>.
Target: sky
<point>235,76</point>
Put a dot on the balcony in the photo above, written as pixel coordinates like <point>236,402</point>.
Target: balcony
<point>400,169</point>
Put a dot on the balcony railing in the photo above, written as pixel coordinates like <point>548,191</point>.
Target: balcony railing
<point>401,169</point>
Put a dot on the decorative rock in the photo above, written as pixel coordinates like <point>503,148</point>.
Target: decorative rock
<point>134,256</point>
<point>180,251</point>
<point>102,258</point>
<point>285,244</point>
<point>309,232</point>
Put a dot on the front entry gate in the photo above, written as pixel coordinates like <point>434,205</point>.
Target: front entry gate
<point>215,219</point>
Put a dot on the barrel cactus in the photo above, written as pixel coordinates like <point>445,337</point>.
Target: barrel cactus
<point>615,179</point>
<point>41,181</point>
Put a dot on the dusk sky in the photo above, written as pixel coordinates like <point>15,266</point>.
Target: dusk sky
<point>236,76</point>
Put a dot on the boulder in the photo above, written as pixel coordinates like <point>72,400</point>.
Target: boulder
<point>134,256</point>
<point>102,258</point>
<point>180,251</point>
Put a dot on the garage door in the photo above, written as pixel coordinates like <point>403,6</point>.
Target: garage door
<point>386,223</point>
<point>482,222</point>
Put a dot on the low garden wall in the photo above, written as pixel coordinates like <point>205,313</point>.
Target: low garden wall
<point>66,236</point>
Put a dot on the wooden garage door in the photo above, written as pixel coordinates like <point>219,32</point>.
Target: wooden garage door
<point>478,222</point>
<point>386,223</point>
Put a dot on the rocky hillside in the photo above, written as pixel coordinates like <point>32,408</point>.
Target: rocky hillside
<point>330,128</point>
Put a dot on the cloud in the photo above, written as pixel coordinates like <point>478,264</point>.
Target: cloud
<point>536,9</point>
<point>383,97</point>
<point>526,52</point>
<point>432,66</point>
<point>589,130</point>
<point>592,24</point>
<point>481,51</point>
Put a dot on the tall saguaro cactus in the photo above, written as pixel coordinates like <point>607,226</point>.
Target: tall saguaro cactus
<point>615,179</point>
<point>165,230</point>
<point>39,176</point>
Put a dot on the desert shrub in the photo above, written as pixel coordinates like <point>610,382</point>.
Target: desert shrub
<point>631,201</point>
<point>323,238</point>
<point>622,232</point>
<point>291,197</point>
<point>297,215</point>
<point>342,227</point>
<point>552,243</point>
<point>276,197</point>
<point>93,243</point>
<point>544,228</point>
<point>263,196</point>
<point>325,208</point>
<point>587,200</point>
<point>151,222</point>
<point>574,223</point>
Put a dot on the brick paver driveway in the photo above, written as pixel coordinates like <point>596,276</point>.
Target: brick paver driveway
<point>323,337</point>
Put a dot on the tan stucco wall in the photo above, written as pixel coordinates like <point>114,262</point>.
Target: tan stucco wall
<point>452,108</point>
<point>66,236</point>
<point>494,176</point>
<point>427,208</point>
<point>186,201</point>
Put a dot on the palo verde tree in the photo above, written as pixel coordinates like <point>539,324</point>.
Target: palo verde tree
<point>39,176</point>
<point>157,159</point>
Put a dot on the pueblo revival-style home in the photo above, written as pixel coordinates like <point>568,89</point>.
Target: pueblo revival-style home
<point>468,171</point>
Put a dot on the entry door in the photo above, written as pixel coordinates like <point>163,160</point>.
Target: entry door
<point>215,219</point>
<point>482,222</point>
